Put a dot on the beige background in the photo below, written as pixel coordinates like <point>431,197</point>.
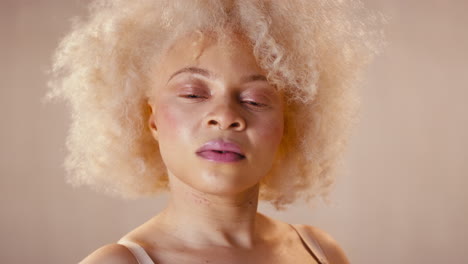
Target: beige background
<point>403,197</point>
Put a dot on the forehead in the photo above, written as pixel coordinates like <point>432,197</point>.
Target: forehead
<point>228,53</point>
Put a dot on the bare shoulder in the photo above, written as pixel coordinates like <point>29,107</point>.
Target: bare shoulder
<point>111,253</point>
<point>330,247</point>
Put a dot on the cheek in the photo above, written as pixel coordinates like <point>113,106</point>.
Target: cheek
<point>172,130</point>
<point>168,120</point>
<point>272,131</point>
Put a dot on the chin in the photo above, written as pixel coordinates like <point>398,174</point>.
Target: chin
<point>222,184</point>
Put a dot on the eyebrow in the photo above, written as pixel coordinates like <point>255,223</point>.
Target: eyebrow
<point>210,75</point>
<point>255,77</point>
<point>193,70</point>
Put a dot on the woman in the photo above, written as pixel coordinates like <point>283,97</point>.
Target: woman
<point>222,103</point>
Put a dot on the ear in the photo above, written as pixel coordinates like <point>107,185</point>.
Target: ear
<point>152,122</point>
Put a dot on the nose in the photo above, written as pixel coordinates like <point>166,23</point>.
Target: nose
<point>226,117</point>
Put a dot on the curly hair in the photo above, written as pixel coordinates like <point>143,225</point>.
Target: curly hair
<point>313,50</point>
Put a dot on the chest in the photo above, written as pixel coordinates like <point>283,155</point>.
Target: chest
<point>278,255</point>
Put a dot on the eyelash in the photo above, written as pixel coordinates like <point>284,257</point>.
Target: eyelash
<point>255,104</point>
<point>192,96</point>
<point>248,102</point>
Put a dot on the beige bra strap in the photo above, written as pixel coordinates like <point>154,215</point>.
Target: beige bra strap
<point>311,243</point>
<point>139,252</point>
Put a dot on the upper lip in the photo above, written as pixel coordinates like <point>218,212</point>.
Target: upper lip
<point>221,145</point>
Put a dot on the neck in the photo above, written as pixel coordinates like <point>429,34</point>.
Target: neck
<point>204,219</point>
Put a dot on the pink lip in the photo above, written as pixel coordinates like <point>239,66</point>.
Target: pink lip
<point>221,151</point>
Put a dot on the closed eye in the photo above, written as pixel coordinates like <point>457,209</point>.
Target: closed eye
<point>253,103</point>
<point>192,96</point>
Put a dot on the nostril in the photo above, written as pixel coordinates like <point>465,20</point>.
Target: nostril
<point>219,123</point>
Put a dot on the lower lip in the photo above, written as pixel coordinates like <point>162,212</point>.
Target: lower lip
<point>220,157</point>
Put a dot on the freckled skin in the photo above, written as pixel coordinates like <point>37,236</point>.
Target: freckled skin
<point>212,213</point>
<point>183,125</point>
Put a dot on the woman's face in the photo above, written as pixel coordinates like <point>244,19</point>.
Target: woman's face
<point>217,120</point>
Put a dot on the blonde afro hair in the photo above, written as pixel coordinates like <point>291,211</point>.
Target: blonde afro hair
<point>313,50</point>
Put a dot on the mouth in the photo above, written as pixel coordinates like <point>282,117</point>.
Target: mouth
<point>220,156</point>
<point>221,151</point>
